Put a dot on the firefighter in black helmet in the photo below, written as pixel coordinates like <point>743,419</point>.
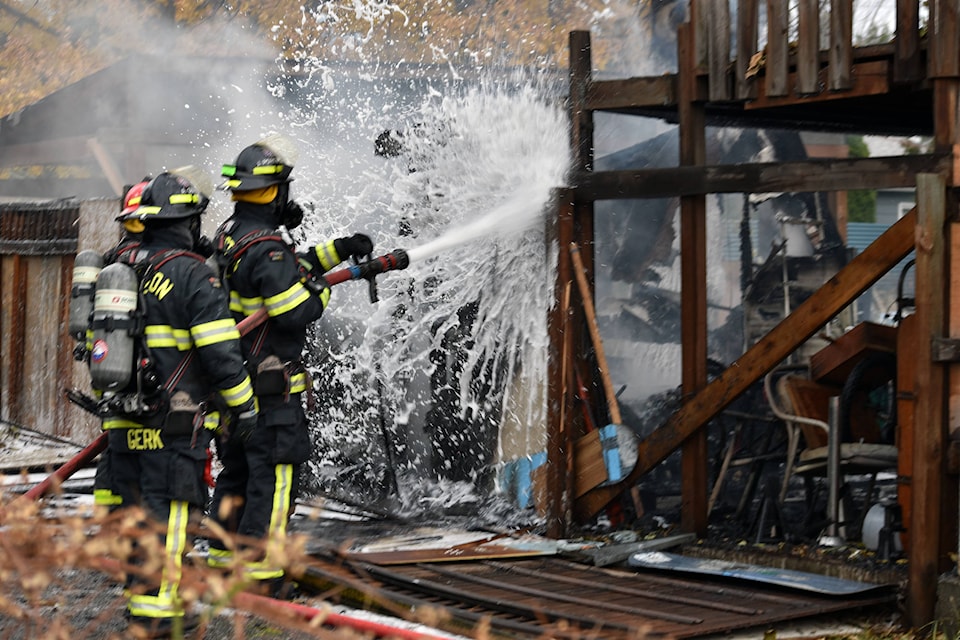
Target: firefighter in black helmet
<point>256,489</point>
<point>194,346</point>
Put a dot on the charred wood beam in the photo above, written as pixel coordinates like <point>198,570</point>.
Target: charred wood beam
<point>612,95</point>
<point>870,80</point>
<point>693,280</point>
<point>773,177</point>
<point>928,495</point>
<point>866,268</point>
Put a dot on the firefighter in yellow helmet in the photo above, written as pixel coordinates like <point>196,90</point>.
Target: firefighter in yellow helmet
<point>256,489</point>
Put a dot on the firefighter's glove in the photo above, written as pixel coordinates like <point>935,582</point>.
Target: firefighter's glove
<point>318,286</point>
<point>245,423</point>
<point>204,247</point>
<point>357,246</point>
<point>292,215</point>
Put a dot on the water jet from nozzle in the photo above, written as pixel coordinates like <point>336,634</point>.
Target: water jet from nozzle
<point>518,213</point>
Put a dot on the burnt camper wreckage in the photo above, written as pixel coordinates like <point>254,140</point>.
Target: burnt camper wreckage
<point>784,246</point>
<point>905,87</point>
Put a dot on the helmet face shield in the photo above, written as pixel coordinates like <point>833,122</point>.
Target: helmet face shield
<point>284,148</point>
<point>198,177</point>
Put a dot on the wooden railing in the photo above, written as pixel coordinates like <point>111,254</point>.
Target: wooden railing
<point>793,63</point>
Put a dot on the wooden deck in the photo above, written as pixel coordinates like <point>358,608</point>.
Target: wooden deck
<point>802,79</point>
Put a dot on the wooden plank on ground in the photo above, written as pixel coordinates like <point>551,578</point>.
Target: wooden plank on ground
<point>865,269</point>
<point>440,545</point>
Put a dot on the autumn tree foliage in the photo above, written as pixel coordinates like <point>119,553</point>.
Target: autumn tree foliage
<point>47,44</point>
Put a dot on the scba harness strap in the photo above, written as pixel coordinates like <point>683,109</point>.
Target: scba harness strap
<point>271,377</point>
<point>151,397</point>
<point>229,254</point>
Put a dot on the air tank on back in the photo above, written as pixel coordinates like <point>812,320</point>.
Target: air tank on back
<point>86,267</point>
<point>114,327</point>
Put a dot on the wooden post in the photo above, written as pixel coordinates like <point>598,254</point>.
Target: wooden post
<point>934,494</point>
<point>718,47</point>
<point>693,287</point>
<point>559,467</point>
<point>14,331</point>
<point>581,118</point>
<point>929,438</point>
<point>579,230</point>
<point>64,358</point>
<point>906,61</point>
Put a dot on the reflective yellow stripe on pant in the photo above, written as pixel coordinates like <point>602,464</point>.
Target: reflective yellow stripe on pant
<point>275,558</point>
<point>166,603</point>
<point>275,553</point>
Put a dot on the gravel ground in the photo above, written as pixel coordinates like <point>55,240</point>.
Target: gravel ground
<point>39,601</point>
<point>49,592</point>
<point>84,604</point>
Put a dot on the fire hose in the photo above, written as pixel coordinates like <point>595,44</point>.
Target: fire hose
<point>283,611</point>
<point>368,270</point>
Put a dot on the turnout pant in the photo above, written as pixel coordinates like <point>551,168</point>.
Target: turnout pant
<point>117,481</point>
<point>171,488</point>
<point>258,485</point>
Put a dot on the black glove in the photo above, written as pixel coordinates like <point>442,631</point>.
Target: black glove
<point>356,246</point>
<point>204,246</point>
<point>317,285</point>
<point>292,215</point>
<point>244,425</point>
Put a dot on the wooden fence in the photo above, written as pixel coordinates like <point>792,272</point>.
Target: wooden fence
<point>38,243</point>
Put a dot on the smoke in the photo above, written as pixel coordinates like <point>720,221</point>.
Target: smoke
<point>415,387</point>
